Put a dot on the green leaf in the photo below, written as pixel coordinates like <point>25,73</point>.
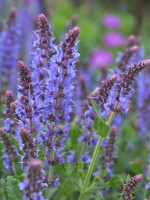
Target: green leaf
<point>104,172</point>
<point>95,106</point>
<point>74,181</point>
<point>12,190</point>
<point>17,166</point>
<point>104,185</point>
<point>92,189</point>
<point>116,180</point>
<point>41,153</point>
<point>100,127</point>
<point>99,196</point>
<point>96,124</point>
<point>63,172</point>
<point>74,133</point>
<point>19,178</point>
<point>136,168</point>
<point>41,156</point>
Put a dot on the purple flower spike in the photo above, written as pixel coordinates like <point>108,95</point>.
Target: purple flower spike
<point>111,21</point>
<point>10,121</point>
<point>101,59</point>
<point>107,157</point>
<point>9,53</point>
<point>43,50</point>
<point>27,145</point>
<point>113,39</point>
<point>25,102</point>
<point>33,182</point>
<point>131,186</point>
<point>9,150</point>
<point>59,89</point>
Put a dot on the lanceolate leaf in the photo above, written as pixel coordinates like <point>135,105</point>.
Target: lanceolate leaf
<point>100,127</point>
<point>115,181</point>
<point>17,166</point>
<point>104,172</point>
<point>74,133</point>
<point>136,168</point>
<point>95,106</point>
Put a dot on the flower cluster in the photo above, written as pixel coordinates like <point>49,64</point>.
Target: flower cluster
<point>28,145</point>
<point>131,186</point>
<point>9,53</point>
<point>10,151</point>
<point>43,50</point>
<point>122,90</point>
<point>25,107</point>
<point>58,87</point>
<point>26,17</point>
<point>27,123</point>
<point>32,185</point>
<point>107,156</point>
<point>132,54</point>
<point>10,121</point>
<point>112,96</point>
<point>100,95</point>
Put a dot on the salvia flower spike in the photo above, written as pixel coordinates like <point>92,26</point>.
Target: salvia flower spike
<point>9,53</point>
<point>107,156</point>
<point>131,186</point>
<point>10,113</point>
<point>28,145</point>
<point>25,104</point>
<point>10,151</point>
<point>32,185</point>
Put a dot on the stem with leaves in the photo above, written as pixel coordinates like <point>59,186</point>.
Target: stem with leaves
<point>90,170</point>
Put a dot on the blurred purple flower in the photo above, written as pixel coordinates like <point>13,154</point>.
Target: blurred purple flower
<point>97,172</point>
<point>111,21</point>
<point>85,158</point>
<point>33,182</point>
<point>101,59</point>
<point>71,157</point>
<point>113,39</point>
<point>9,52</point>
<point>147,187</point>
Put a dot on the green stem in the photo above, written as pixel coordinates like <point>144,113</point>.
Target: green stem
<point>80,183</point>
<point>90,169</point>
<point>112,115</point>
<point>50,173</point>
<point>50,176</point>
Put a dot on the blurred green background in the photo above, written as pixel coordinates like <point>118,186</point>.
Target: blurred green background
<point>134,15</point>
